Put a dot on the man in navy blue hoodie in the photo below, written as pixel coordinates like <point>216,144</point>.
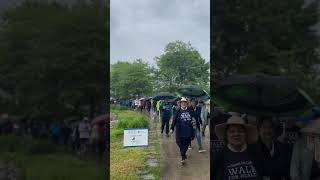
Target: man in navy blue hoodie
<point>182,120</point>
<point>166,109</point>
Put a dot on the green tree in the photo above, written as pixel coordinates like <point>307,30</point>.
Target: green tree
<point>181,64</point>
<point>58,64</point>
<point>265,36</point>
<point>130,79</point>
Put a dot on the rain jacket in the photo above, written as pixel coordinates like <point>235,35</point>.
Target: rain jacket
<point>166,109</point>
<point>301,163</point>
<point>158,106</point>
<point>204,115</point>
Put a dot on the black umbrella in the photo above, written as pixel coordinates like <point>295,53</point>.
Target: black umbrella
<point>261,94</point>
<point>192,91</point>
<point>163,95</point>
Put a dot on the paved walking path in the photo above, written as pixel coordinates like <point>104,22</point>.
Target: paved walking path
<point>197,165</point>
<point>152,155</point>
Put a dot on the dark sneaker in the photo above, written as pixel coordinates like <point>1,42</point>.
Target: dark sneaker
<point>183,162</point>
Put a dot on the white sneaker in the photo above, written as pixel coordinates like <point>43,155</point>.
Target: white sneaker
<point>202,150</point>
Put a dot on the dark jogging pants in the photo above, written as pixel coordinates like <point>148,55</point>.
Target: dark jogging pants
<point>165,122</point>
<point>183,143</point>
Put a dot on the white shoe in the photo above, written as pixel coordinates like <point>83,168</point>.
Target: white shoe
<point>202,150</point>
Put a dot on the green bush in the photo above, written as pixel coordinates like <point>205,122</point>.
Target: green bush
<point>130,119</point>
<point>26,145</point>
<point>114,133</point>
<point>118,108</point>
<point>127,119</point>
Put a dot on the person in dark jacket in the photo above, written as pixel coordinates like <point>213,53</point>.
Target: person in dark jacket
<point>182,120</point>
<point>196,110</point>
<point>166,113</point>
<point>177,106</point>
<point>238,159</point>
<point>305,163</point>
<point>274,153</point>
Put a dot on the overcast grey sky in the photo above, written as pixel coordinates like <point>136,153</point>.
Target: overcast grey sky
<point>142,28</point>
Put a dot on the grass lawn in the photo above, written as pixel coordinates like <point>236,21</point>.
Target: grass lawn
<point>41,160</point>
<point>55,166</point>
<point>126,162</point>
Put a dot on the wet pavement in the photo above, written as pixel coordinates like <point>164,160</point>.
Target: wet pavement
<point>197,166</point>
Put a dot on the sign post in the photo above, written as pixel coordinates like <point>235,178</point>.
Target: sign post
<point>135,137</point>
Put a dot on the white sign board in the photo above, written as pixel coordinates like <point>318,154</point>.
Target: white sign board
<point>135,137</point>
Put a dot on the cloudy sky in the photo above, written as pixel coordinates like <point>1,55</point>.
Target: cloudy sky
<point>142,28</point>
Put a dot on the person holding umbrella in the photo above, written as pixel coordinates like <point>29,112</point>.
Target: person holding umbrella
<point>158,107</point>
<point>205,116</point>
<point>237,160</point>
<point>196,110</point>
<point>274,153</point>
<point>166,113</point>
<point>177,106</point>
<point>182,120</point>
<point>305,163</point>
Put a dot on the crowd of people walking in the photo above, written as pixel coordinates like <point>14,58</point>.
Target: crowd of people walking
<point>75,134</point>
<point>188,118</point>
<point>242,147</point>
<point>266,150</point>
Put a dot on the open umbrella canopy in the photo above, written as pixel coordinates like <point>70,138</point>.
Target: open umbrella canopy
<point>192,91</point>
<point>261,94</point>
<point>163,95</point>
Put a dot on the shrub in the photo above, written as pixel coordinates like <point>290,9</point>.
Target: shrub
<point>118,108</point>
<point>128,119</point>
<point>115,133</point>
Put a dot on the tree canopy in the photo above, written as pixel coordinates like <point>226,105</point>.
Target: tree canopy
<point>59,63</point>
<point>266,36</point>
<point>181,64</point>
<point>130,79</point>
